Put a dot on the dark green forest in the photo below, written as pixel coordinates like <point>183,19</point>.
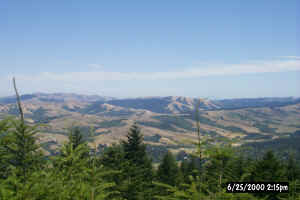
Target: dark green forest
<point>125,171</point>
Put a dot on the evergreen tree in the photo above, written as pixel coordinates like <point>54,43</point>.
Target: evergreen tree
<point>239,168</point>
<point>19,154</point>
<point>139,168</point>
<point>292,168</point>
<point>192,168</point>
<point>75,137</point>
<point>135,150</point>
<point>184,170</point>
<point>4,141</point>
<point>113,157</point>
<point>78,172</point>
<point>168,171</point>
<point>22,152</point>
<point>218,171</point>
<point>270,169</point>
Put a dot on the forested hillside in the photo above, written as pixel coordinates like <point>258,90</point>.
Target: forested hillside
<point>125,171</point>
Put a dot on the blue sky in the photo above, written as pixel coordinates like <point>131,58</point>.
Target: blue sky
<point>222,49</point>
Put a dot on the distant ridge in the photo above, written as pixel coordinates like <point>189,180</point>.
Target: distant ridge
<point>157,104</point>
<point>55,97</point>
<point>172,118</point>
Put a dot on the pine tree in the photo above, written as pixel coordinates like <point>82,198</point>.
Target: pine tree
<point>20,157</point>
<point>22,150</point>
<point>75,137</point>
<point>184,170</point>
<point>135,150</point>
<point>193,167</point>
<point>217,169</point>
<point>4,141</point>
<point>270,169</point>
<point>138,170</point>
<point>292,168</point>
<point>239,167</point>
<point>78,173</point>
<point>168,170</point>
<point>113,157</point>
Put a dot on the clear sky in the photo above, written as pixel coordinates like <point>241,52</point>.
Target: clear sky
<point>220,49</point>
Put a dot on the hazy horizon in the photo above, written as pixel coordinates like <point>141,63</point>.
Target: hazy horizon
<point>133,97</point>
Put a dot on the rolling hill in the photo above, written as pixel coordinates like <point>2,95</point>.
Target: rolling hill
<point>166,122</point>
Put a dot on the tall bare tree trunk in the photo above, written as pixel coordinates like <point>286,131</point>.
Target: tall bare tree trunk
<point>18,101</point>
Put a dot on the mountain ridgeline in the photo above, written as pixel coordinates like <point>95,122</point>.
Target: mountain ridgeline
<point>168,123</point>
<point>170,104</point>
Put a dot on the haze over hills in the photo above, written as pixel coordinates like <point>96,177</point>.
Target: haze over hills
<point>166,122</point>
<point>55,97</point>
<point>169,104</point>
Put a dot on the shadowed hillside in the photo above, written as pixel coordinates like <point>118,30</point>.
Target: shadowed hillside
<point>170,118</point>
